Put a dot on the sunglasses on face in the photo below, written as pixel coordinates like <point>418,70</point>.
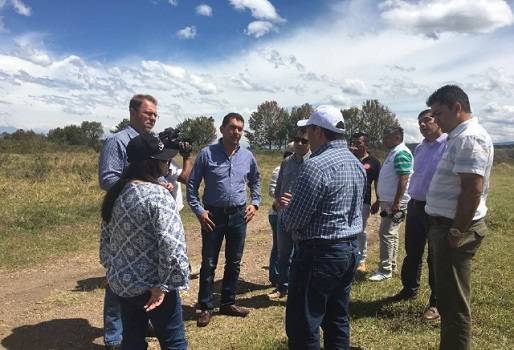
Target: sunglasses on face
<point>301,140</point>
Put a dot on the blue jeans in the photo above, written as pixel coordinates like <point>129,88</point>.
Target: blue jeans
<point>166,320</point>
<point>285,252</point>
<point>113,328</point>
<point>319,292</point>
<point>273,257</point>
<point>232,227</point>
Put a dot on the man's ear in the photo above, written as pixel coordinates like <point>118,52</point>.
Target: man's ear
<point>457,108</point>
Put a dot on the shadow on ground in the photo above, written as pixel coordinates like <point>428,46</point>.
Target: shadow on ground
<point>60,334</point>
<point>254,302</point>
<point>90,284</point>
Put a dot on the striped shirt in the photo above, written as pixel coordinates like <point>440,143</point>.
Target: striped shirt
<point>327,199</point>
<point>470,151</point>
<point>397,162</point>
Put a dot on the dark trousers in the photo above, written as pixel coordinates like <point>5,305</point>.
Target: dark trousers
<point>232,227</point>
<point>453,281</point>
<point>273,257</point>
<point>166,320</point>
<point>416,236</point>
<point>320,281</point>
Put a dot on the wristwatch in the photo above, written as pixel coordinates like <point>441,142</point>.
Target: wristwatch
<point>455,233</point>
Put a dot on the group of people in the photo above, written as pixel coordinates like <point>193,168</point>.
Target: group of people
<point>321,202</point>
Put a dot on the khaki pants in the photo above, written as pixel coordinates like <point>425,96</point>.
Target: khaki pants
<point>388,235</point>
<point>453,281</point>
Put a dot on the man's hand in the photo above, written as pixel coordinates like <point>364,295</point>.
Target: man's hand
<point>185,148</point>
<point>250,212</point>
<point>285,200</point>
<point>206,222</point>
<point>156,299</point>
<point>375,207</point>
<point>395,208</point>
<point>167,185</point>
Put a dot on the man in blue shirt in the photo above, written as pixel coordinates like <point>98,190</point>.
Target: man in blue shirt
<point>113,160</point>
<point>225,168</point>
<point>324,214</point>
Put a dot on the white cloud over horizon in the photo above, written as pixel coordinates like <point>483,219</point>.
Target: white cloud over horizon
<point>435,17</point>
<point>325,62</point>
<point>204,10</point>
<point>186,33</point>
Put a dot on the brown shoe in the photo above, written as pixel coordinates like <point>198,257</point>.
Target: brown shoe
<point>404,295</point>
<point>431,314</point>
<point>204,318</point>
<point>232,310</point>
<point>362,267</point>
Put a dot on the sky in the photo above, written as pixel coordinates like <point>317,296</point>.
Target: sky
<point>66,61</point>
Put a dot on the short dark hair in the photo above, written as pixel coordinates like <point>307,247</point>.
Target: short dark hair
<point>424,113</point>
<point>360,134</point>
<point>448,95</point>
<point>394,130</point>
<point>232,115</point>
<point>299,130</point>
<point>137,100</point>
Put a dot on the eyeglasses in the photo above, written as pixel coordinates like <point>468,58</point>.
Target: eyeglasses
<point>301,140</point>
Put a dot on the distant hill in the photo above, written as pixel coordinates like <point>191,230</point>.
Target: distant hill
<point>7,129</point>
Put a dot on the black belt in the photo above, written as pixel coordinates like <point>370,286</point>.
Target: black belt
<point>225,210</point>
<point>416,202</point>
<point>441,220</point>
<point>321,241</point>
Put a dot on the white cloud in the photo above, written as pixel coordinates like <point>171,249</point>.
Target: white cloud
<point>260,9</point>
<point>188,32</point>
<point>434,17</point>
<point>354,87</point>
<point>259,28</point>
<point>204,10</point>
<point>173,2</point>
<point>21,8</point>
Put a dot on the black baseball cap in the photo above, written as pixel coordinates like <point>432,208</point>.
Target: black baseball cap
<point>147,146</point>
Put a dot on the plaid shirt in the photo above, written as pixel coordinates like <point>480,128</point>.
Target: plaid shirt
<point>327,199</point>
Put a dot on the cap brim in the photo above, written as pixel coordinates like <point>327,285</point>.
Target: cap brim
<point>302,122</point>
<point>166,154</point>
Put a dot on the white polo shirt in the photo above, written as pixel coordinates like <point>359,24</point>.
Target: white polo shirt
<point>470,151</point>
<point>174,173</point>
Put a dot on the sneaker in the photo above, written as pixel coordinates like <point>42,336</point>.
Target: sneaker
<point>276,294</point>
<point>379,276</point>
<point>431,314</point>
<point>362,267</point>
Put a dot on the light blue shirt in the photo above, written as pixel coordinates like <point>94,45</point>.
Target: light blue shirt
<point>225,178</point>
<point>113,157</point>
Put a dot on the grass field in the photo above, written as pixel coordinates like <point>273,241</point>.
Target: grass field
<point>50,210</point>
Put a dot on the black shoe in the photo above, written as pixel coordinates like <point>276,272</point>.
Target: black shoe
<point>204,318</point>
<point>232,310</point>
<point>404,295</point>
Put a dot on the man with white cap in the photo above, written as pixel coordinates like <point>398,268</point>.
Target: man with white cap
<point>324,214</point>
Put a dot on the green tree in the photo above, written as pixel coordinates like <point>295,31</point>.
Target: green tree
<point>267,125</point>
<point>200,130</point>
<point>372,118</point>
<point>92,131</point>
<point>121,125</point>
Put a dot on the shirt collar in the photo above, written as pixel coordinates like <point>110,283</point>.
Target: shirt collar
<point>439,140</point>
<point>460,128</point>
<point>220,144</point>
<point>302,159</point>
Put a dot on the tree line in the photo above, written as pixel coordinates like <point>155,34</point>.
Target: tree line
<point>270,127</point>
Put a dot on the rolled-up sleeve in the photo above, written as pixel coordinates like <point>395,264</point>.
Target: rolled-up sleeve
<point>472,156</point>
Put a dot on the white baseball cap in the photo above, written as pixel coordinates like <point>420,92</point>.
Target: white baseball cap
<point>327,117</point>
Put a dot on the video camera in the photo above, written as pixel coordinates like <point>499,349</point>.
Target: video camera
<point>171,138</point>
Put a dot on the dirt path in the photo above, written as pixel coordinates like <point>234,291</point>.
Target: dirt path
<point>59,305</point>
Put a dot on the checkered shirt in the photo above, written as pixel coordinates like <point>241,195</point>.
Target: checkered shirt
<point>327,199</point>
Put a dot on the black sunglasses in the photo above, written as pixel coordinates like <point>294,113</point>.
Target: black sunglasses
<point>301,140</point>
